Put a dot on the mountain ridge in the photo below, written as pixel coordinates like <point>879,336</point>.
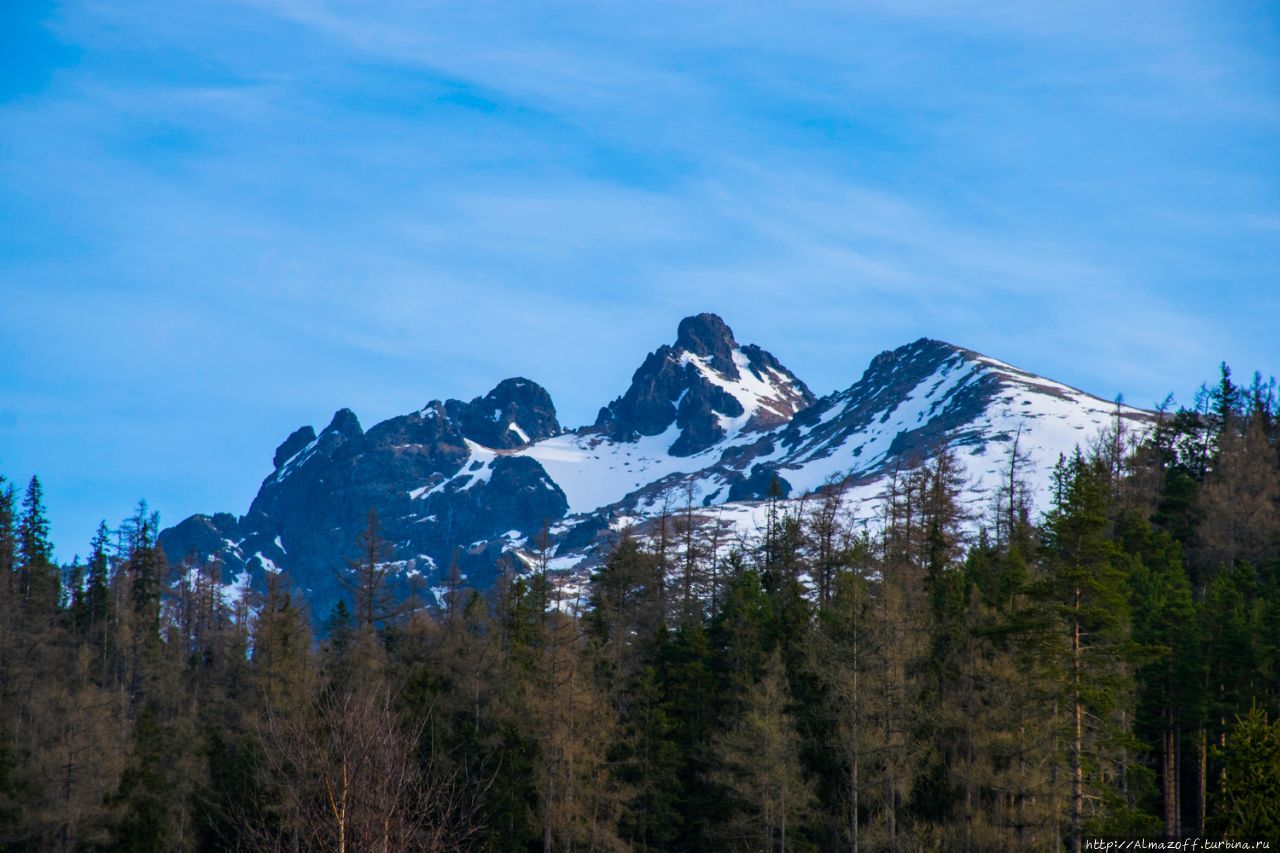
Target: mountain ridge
<point>720,423</point>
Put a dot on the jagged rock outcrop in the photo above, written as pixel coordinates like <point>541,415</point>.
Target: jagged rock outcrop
<point>515,413</point>
<point>704,419</point>
<point>708,387</point>
<point>310,509</point>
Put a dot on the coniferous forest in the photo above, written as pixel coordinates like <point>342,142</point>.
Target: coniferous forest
<point>956,677</point>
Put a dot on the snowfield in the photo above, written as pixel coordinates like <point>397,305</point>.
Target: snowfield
<point>617,479</point>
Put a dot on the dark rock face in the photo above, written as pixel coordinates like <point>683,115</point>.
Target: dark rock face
<point>456,482</point>
<point>207,534</point>
<point>892,376</point>
<point>518,495</point>
<point>648,407</point>
<point>445,481</point>
<point>311,508</point>
<point>297,440</point>
<point>696,417</point>
<point>345,426</point>
<point>763,483</point>
<point>499,418</point>
<point>847,422</point>
<point>707,335</point>
<point>693,385</point>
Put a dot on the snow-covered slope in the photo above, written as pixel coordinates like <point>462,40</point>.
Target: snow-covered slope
<point>927,394</point>
<point>909,402</point>
<point>596,471</point>
<point>705,420</point>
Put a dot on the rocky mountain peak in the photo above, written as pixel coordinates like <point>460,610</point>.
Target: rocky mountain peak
<point>911,362</point>
<point>477,482</point>
<point>515,413</point>
<point>298,439</point>
<point>346,424</point>
<point>707,387</point>
<point>709,336</point>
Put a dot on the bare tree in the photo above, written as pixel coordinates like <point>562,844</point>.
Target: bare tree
<point>347,778</point>
<point>691,570</point>
<point>368,576</point>
<point>825,529</point>
<point>1013,498</point>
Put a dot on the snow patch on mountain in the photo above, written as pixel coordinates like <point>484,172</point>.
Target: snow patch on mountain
<point>706,427</point>
<point>766,396</point>
<point>476,470</point>
<point>595,471</point>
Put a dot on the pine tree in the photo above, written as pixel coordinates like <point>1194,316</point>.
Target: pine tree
<point>901,613</point>
<point>693,576</point>
<point>760,761</point>
<point>573,725</point>
<point>1004,711</point>
<point>686,664</point>
<point>844,649</point>
<point>1247,807</point>
<point>1226,403</point>
<point>829,537</point>
<point>1240,501</point>
<point>338,628</point>
<point>144,798</point>
<point>282,665</point>
<point>97,597</point>
<point>624,613</point>
<point>741,632</point>
<point>1229,667</point>
<point>649,761</point>
<point>1086,595</point>
<point>77,756</point>
<point>1165,627</point>
<point>38,583</point>
<point>8,534</point>
<point>140,579</point>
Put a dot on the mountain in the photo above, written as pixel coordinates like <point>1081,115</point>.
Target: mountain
<point>708,387</point>
<point>705,421</point>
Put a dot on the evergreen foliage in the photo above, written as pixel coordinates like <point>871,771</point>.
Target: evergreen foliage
<point>948,680</point>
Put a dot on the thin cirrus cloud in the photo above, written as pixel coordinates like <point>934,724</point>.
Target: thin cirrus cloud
<point>221,221</point>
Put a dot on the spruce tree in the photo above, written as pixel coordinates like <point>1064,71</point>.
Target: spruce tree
<point>624,612</point>
<point>759,763</point>
<point>1170,680</point>
<point>844,649</point>
<point>8,533</point>
<point>1247,806</point>
<point>1086,596</point>
<point>1229,668</point>
<point>38,583</point>
<point>368,580</point>
<point>97,587</point>
<point>649,761</point>
<point>1239,505</point>
<point>144,798</point>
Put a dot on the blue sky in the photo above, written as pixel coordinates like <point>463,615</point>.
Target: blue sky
<point>221,220</point>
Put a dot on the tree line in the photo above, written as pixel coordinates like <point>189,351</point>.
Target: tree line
<point>952,677</point>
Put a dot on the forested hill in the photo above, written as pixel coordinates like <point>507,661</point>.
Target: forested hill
<point>706,424</point>
<point>956,677</point>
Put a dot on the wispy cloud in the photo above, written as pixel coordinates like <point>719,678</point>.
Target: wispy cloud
<point>260,215</point>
